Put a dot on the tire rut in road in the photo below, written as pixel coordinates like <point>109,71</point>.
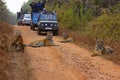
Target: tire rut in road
<point>19,67</point>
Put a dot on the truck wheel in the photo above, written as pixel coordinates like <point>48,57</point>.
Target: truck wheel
<point>56,32</point>
<point>18,24</point>
<point>39,32</point>
<point>32,27</point>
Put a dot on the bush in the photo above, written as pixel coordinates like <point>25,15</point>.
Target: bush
<point>106,26</point>
<point>6,28</point>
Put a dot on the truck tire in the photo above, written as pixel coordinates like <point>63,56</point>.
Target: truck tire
<point>39,31</point>
<point>32,27</point>
<point>56,32</point>
<point>18,24</point>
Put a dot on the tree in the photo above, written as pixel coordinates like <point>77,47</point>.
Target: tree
<point>4,12</point>
<point>77,8</point>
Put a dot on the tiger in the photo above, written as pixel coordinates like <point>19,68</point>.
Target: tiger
<point>100,49</point>
<point>17,43</point>
<point>66,38</point>
<point>19,46</point>
<point>48,41</point>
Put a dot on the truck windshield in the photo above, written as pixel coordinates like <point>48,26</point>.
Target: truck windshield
<point>28,17</point>
<point>48,17</point>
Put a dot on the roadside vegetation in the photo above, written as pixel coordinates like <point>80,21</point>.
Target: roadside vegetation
<point>7,64</point>
<point>5,31</point>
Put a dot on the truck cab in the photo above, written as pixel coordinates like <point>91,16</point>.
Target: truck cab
<point>19,18</point>
<point>48,22</point>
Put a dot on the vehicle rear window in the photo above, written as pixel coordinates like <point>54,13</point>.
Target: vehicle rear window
<point>27,16</point>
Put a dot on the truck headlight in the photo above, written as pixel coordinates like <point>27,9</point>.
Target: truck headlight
<point>51,24</point>
<point>55,25</point>
<point>23,20</point>
<point>42,24</point>
<point>45,24</point>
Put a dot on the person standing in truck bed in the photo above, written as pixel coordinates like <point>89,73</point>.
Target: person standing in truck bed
<point>37,6</point>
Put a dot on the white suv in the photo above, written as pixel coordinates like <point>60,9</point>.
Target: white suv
<point>26,19</point>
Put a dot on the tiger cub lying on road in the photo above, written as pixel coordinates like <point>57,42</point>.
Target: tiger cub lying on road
<point>66,38</point>
<point>100,49</point>
<point>48,41</point>
<point>17,43</point>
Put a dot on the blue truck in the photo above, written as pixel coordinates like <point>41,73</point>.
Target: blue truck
<point>36,7</point>
<point>48,22</point>
<point>42,19</point>
<point>34,17</point>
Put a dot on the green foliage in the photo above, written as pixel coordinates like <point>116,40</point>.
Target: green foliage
<point>105,26</point>
<point>116,8</point>
<point>88,18</point>
<point>5,14</point>
<point>26,6</point>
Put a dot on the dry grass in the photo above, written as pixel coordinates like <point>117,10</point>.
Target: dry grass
<point>3,65</point>
<point>89,42</point>
<point>6,29</point>
<point>115,57</point>
<point>13,66</point>
<point>81,40</point>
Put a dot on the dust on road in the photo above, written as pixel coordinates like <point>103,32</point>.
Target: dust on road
<point>66,61</point>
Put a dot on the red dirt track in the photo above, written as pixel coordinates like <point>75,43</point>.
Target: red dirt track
<point>66,61</point>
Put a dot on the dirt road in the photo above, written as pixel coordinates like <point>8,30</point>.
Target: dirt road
<point>66,61</point>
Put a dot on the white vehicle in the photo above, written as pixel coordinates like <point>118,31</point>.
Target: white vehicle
<point>26,19</point>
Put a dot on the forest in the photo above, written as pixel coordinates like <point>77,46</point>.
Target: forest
<point>5,14</point>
